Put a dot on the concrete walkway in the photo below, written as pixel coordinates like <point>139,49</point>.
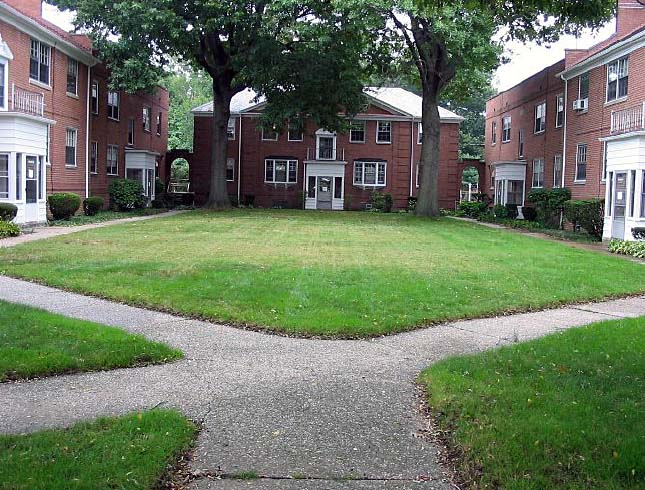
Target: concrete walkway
<point>341,414</point>
<point>43,232</point>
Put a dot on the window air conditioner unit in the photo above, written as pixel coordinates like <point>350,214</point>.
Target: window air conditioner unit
<point>580,104</point>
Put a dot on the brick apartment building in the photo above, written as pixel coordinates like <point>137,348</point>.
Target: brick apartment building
<point>577,124</point>
<point>61,128</point>
<point>317,169</point>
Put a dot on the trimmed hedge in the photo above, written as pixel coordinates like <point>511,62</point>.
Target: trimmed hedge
<point>625,247</point>
<point>8,229</point>
<point>473,209</point>
<point>126,194</point>
<point>92,205</point>
<point>8,211</point>
<point>549,203</point>
<point>589,214</point>
<point>64,205</point>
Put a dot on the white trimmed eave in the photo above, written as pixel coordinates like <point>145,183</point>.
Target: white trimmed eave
<point>197,112</point>
<point>41,33</point>
<point>605,56</point>
<point>509,162</point>
<point>30,117</point>
<point>624,136</point>
<point>146,152</point>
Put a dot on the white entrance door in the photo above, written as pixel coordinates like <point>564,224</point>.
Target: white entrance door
<point>620,205</point>
<point>31,189</point>
<point>324,194</point>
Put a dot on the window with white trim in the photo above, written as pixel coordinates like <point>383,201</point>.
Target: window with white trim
<point>538,173</point>
<point>131,132</point>
<point>506,129</point>
<point>420,133</point>
<point>72,76</point>
<point>383,132</point>
<point>581,163</point>
<point>357,132</point>
<point>559,110</point>
<point>294,131</point>
<point>493,131</point>
<point>94,97</point>
<point>94,158</point>
<point>583,86</point>
<point>112,157</point>
<point>520,143</point>
<point>540,118</point>
<point>39,62</point>
<point>147,115</point>
<point>280,171</point>
<point>269,134</point>
<point>557,171</point>
<point>230,129</point>
<point>3,87</point>
<point>70,147</point>
<point>230,169</point>
<point>369,173</point>
<point>4,176</point>
<point>617,79</point>
<point>159,119</point>
<point>113,101</point>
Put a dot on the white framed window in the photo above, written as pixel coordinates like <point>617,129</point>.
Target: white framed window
<point>581,163</point>
<point>230,129</point>
<point>4,176</point>
<point>3,86</point>
<point>357,132</point>
<point>39,62</point>
<point>419,133</point>
<point>506,129</point>
<point>540,118</point>
<point>520,143</point>
<point>617,79</point>
<point>383,132</point>
<point>94,97</point>
<point>557,171</point>
<point>294,131</point>
<point>583,86</point>
<point>131,132</point>
<point>159,119</point>
<point>147,115</point>
<point>280,171</point>
<point>72,76</point>
<point>113,101</point>
<point>269,134</point>
<point>493,133</point>
<point>418,173</point>
<point>112,157</point>
<point>230,169</point>
<point>559,110</point>
<point>94,158</point>
<point>71,136</point>
<point>538,173</point>
<point>325,145</point>
<point>369,174</point>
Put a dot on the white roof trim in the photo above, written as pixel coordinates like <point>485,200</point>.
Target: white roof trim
<point>633,134</point>
<point>509,162</point>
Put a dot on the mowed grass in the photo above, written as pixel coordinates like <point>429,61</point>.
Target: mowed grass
<point>565,411</point>
<point>131,452</point>
<point>38,343</point>
<point>322,273</point>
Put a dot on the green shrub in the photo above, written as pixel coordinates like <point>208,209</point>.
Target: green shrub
<point>382,202</point>
<point>638,233</point>
<point>473,209</point>
<point>126,194</point>
<point>412,204</point>
<point>511,211</point>
<point>530,213</point>
<point>625,247</point>
<point>92,205</point>
<point>589,214</point>
<point>64,205</point>
<point>8,211</point>
<point>388,203</point>
<point>549,204</point>
<point>500,211</point>
<point>8,229</point>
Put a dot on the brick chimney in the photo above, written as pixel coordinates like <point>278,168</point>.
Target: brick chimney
<point>630,16</point>
<point>33,8</point>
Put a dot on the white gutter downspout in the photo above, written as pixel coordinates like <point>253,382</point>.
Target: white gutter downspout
<point>239,163</point>
<point>87,134</point>
<point>411,154</point>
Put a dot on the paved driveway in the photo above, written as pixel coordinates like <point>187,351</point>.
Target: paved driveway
<point>317,414</point>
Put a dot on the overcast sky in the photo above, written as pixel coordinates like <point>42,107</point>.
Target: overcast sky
<point>525,59</point>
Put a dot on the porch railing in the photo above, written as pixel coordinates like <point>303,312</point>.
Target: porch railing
<point>27,102</point>
<point>326,154</point>
<point>628,120</point>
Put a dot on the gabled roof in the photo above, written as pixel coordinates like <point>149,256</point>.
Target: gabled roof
<point>396,100</point>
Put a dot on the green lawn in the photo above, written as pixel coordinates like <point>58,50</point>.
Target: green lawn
<point>37,343</point>
<point>131,452</point>
<point>322,273</point>
<point>565,411</point>
<point>102,216</point>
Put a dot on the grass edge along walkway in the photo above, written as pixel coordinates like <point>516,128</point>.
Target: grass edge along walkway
<point>35,342</point>
<point>564,411</point>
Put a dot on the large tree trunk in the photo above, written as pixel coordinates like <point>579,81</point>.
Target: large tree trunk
<point>428,195</point>
<point>218,194</point>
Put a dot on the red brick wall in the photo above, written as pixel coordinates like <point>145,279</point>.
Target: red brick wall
<point>254,152</point>
<point>631,16</point>
<point>32,8</point>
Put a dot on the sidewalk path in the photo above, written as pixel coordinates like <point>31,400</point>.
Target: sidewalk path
<point>340,413</point>
<point>42,232</point>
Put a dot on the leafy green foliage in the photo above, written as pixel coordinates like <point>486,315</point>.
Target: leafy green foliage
<point>63,205</point>
<point>8,211</point>
<point>549,204</point>
<point>105,215</point>
<point>382,202</point>
<point>530,213</point>
<point>473,209</point>
<point>589,214</point>
<point>564,411</point>
<point>92,205</point>
<point>8,229</point>
<point>126,194</point>
<point>500,211</point>
<point>132,452</point>
<point>626,247</point>
<point>470,175</point>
